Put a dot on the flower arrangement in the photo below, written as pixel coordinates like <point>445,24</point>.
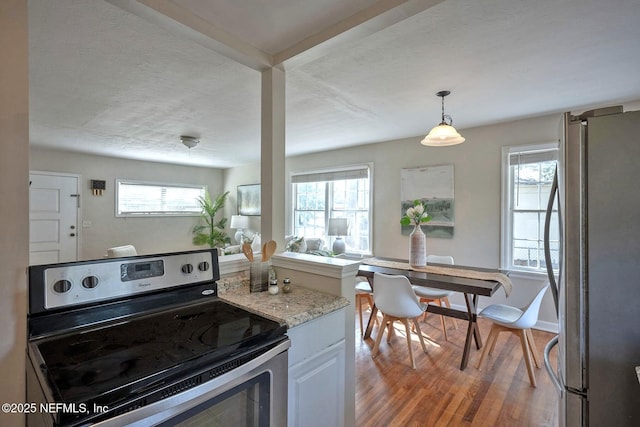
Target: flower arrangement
<point>416,214</point>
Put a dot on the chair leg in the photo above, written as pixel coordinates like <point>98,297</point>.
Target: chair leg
<point>391,332</point>
<point>369,299</point>
<point>442,321</point>
<point>416,325</point>
<point>426,301</point>
<point>488,346</point>
<point>495,339</point>
<point>359,308</point>
<point>406,327</point>
<point>532,347</point>
<point>446,302</point>
<point>379,337</point>
<point>527,355</point>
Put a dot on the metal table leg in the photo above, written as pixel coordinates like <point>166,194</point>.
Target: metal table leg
<point>472,329</point>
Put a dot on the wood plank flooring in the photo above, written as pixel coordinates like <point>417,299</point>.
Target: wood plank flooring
<point>437,393</point>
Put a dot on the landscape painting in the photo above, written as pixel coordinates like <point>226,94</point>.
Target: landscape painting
<point>249,200</point>
<point>433,186</point>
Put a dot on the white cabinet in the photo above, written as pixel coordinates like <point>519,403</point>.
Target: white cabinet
<point>317,372</point>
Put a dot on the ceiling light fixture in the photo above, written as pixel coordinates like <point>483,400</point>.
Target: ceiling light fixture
<point>444,134</point>
<point>189,141</point>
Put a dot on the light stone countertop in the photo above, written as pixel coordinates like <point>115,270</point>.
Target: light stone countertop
<point>299,306</point>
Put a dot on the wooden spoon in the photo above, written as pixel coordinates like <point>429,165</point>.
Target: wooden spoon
<point>247,251</point>
<point>268,249</point>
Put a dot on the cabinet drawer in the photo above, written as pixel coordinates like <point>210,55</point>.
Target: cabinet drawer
<point>310,338</point>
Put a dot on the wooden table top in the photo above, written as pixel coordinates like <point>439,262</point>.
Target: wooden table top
<point>439,281</point>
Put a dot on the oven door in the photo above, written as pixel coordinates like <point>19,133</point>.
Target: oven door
<point>254,394</point>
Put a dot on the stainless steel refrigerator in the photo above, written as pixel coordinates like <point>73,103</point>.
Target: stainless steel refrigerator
<point>597,290</point>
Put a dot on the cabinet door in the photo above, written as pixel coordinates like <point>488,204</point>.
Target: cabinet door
<point>316,389</point>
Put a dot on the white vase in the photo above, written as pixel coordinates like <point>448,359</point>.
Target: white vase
<point>418,248</point>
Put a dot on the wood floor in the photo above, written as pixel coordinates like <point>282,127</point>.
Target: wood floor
<point>437,393</point>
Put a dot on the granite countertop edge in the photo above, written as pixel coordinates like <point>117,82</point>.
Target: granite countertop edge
<point>300,306</point>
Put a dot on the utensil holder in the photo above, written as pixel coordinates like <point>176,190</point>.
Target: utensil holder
<point>259,276</point>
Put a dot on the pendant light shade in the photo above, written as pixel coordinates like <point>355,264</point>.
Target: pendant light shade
<point>443,134</point>
<point>189,141</point>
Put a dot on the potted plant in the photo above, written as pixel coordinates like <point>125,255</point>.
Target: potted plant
<point>211,232</point>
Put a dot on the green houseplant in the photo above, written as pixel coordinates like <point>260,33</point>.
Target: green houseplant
<point>211,232</point>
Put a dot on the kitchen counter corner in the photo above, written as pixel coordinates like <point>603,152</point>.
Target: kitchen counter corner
<point>299,306</point>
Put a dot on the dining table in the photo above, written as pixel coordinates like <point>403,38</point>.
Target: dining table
<point>471,282</point>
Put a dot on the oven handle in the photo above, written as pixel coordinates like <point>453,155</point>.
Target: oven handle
<point>164,409</point>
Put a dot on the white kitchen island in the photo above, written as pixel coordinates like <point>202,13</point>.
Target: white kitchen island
<point>319,315</point>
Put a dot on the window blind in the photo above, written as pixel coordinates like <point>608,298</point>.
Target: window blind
<point>532,157</point>
<point>337,175</point>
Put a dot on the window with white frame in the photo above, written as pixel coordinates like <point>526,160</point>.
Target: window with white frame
<point>527,173</point>
<point>137,198</point>
<point>341,193</point>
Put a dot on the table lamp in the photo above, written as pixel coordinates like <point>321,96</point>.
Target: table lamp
<point>239,222</point>
<point>338,227</point>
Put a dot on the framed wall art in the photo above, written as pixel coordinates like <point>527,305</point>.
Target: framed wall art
<point>249,200</point>
<point>433,185</point>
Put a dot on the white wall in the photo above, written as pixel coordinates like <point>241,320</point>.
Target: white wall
<point>243,175</point>
<point>14,188</point>
<point>148,235</point>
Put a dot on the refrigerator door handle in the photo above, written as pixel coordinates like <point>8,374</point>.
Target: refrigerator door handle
<point>547,249</point>
<point>547,363</point>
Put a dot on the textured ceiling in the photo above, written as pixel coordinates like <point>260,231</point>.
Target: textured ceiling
<point>108,77</point>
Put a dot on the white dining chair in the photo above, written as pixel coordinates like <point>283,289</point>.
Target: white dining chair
<point>121,251</point>
<point>364,293</point>
<point>396,300</point>
<point>519,321</point>
<point>437,296</point>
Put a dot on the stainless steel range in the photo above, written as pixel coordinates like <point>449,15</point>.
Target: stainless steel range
<point>145,341</point>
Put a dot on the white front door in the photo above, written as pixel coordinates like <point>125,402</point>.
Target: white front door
<point>54,202</point>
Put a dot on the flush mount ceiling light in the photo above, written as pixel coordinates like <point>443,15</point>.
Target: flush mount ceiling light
<point>189,141</point>
<point>444,134</point>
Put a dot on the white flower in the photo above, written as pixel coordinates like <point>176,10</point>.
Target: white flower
<point>415,214</point>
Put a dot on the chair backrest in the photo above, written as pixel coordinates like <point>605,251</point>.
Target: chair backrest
<point>121,251</point>
<point>530,312</point>
<point>394,296</point>
<point>440,259</point>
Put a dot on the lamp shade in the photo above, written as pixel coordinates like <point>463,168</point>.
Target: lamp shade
<point>442,135</point>
<point>239,222</point>
<point>338,226</point>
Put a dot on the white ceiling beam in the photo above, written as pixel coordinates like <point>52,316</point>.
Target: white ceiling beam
<point>179,20</point>
<point>381,15</point>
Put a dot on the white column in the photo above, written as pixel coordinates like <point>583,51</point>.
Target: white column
<point>14,209</point>
<point>273,156</point>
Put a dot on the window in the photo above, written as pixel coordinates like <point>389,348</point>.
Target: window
<point>344,193</point>
<point>135,198</point>
<point>527,177</point>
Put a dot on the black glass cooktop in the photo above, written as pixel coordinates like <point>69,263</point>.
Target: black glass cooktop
<point>142,353</point>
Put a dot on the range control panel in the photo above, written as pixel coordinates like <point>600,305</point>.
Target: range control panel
<point>86,282</point>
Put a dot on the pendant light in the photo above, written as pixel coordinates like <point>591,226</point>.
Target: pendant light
<point>444,134</point>
<point>189,141</point>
